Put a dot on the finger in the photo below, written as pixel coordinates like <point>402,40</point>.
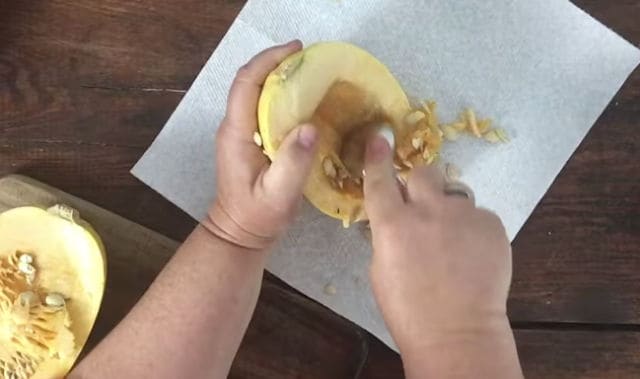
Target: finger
<point>382,196</point>
<point>459,190</point>
<point>247,85</point>
<point>425,185</point>
<point>237,159</point>
<point>287,175</point>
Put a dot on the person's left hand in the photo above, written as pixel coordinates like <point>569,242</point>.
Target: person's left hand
<point>256,200</point>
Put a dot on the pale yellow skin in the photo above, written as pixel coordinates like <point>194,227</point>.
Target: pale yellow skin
<point>292,93</point>
<point>69,259</point>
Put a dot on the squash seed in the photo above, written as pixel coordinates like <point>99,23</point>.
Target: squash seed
<point>329,168</point>
<point>425,106</point>
<point>415,117</point>
<point>491,136</point>
<point>54,300</point>
<point>473,123</point>
<point>494,136</point>
<point>459,126</point>
<point>28,270</point>
<point>450,133</point>
<point>26,258</point>
<point>417,143</point>
<point>401,180</point>
<point>28,299</point>
<point>452,172</point>
<point>484,125</point>
<point>257,138</point>
<point>330,289</point>
<point>502,135</point>
<point>426,154</point>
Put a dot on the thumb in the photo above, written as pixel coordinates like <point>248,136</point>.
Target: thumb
<point>288,173</point>
<point>382,196</point>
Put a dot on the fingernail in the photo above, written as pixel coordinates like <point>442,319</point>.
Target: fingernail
<point>380,145</point>
<point>307,136</point>
<point>387,133</point>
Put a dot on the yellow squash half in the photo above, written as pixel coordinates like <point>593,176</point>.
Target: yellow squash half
<point>52,278</point>
<point>342,90</point>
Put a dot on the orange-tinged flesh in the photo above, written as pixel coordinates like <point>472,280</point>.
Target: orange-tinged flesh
<point>340,88</point>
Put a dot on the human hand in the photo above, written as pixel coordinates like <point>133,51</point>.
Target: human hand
<point>256,200</point>
<point>441,267</point>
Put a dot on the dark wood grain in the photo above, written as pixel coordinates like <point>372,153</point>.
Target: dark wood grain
<point>86,85</point>
<point>550,354</point>
<point>579,354</point>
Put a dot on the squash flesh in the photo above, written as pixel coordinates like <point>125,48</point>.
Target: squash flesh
<point>69,260</point>
<point>338,87</point>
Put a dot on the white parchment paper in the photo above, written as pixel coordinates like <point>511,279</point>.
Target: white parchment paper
<point>543,70</point>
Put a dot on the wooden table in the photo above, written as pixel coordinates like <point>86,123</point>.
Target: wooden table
<point>86,85</point>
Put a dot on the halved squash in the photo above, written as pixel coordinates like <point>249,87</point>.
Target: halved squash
<point>344,91</point>
<point>52,278</point>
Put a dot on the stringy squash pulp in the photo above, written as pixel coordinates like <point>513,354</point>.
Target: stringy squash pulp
<point>52,278</point>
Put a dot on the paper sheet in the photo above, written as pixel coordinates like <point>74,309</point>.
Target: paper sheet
<point>543,70</point>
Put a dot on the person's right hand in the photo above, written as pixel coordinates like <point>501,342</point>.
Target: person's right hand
<point>441,267</point>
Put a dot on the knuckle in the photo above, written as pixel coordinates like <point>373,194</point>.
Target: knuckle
<point>222,129</point>
<point>375,185</point>
<point>489,216</point>
<point>383,215</point>
<point>222,134</point>
<point>428,173</point>
<point>424,178</point>
<point>416,175</point>
<point>244,71</point>
<point>491,220</point>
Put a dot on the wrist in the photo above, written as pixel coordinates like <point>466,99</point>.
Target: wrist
<point>221,224</point>
<point>465,352</point>
<point>224,251</point>
<point>455,334</point>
